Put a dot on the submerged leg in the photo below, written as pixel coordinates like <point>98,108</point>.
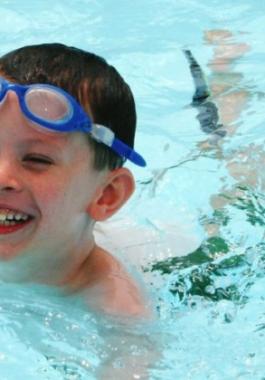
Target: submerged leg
<point>207,110</point>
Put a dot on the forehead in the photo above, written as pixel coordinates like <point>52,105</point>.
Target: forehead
<point>18,128</point>
<point>73,143</point>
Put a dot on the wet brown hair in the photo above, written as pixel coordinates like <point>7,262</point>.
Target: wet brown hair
<point>95,84</point>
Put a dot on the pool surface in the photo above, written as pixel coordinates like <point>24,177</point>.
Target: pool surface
<point>193,233</point>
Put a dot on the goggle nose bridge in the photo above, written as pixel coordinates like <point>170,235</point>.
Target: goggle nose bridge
<point>19,90</point>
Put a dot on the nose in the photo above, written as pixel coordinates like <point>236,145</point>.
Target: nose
<point>10,180</point>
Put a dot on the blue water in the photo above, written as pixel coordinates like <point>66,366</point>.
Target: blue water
<point>194,230</point>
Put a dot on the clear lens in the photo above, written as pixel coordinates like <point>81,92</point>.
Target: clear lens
<point>48,104</point>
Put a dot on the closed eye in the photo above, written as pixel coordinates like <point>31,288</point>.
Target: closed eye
<point>37,159</point>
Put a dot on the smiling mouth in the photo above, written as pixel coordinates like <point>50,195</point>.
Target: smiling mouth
<point>11,221</point>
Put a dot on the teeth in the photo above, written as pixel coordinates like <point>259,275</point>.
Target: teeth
<point>19,216</point>
<point>10,216</point>
<point>7,217</point>
<point>7,223</point>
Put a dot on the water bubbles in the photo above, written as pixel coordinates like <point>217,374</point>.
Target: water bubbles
<point>85,364</point>
<point>118,363</point>
<point>72,327</point>
<point>210,289</point>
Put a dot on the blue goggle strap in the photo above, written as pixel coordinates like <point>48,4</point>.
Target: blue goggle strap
<point>106,136</point>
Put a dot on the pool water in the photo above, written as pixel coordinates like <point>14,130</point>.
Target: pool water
<point>194,231</point>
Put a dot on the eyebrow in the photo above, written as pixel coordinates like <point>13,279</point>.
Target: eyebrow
<point>50,142</point>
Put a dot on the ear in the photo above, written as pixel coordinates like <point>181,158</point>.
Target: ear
<point>112,194</point>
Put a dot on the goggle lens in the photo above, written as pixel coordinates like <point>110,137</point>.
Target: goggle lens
<point>48,105</point>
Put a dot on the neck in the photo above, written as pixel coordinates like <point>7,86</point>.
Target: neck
<point>51,268</point>
<point>99,265</point>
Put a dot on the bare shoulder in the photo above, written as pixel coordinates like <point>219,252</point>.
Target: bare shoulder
<point>111,288</point>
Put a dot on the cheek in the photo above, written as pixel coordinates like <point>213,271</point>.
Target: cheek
<point>51,197</point>
<point>66,192</point>
<point>65,197</point>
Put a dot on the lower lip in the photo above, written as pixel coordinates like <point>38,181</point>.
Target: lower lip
<point>9,229</point>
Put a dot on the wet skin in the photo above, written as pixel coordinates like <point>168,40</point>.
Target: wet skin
<point>50,178</point>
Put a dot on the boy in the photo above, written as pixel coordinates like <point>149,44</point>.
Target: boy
<point>61,170</point>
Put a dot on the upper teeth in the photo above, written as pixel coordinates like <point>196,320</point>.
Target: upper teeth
<point>12,215</point>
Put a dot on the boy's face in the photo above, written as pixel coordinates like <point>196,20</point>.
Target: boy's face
<point>48,177</point>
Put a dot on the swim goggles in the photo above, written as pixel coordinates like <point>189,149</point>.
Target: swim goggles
<point>54,109</point>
